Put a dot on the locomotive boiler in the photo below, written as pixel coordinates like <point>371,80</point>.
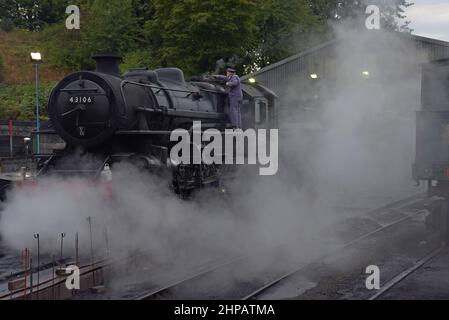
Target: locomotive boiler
<point>110,118</point>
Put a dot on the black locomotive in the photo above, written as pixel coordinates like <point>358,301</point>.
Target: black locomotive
<point>130,117</point>
<point>432,141</point>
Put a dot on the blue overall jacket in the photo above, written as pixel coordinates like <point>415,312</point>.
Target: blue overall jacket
<point>234,84</point>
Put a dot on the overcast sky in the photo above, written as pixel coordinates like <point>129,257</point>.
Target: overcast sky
<point>430,18</point>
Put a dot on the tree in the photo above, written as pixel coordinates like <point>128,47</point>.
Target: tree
<point>393,12</point>
<point>111,27</point>
<point>2,70</point>
<point>32,15</point>
<point>143,10</point>
<point>19,101</point>
<point>282,25</point>
<point>6,24</point>
<point>342,10</point>
<point>107,26</point>
<point>194,35</point>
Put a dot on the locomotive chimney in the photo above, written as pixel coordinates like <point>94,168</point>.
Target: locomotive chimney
<point>108,63</point>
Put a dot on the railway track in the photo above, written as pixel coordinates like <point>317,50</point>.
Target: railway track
<point>396,206</point>
<point>406,273</point>
<point>164,289</point>
<point>247,290</point>
<point>251,289</point>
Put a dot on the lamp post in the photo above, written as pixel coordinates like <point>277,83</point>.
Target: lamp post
<point>27,147</point>
<point>37,58</point>
<point>27,142</point>
<point>36,236</point>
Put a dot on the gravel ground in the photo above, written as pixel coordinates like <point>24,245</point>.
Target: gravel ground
<point>431,281</point>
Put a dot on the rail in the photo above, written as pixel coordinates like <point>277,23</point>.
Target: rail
<point>394,206</point>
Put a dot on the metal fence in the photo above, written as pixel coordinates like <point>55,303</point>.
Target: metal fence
<point>12,140</point>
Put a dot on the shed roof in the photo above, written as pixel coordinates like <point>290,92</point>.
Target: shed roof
<point>335,41</point>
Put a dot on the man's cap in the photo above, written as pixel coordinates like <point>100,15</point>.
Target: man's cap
<point>231,70</point>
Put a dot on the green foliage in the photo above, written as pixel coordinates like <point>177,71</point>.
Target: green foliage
<point>33,15</point>
<point>2,70</point>
<point>394,11</point>
<point>189,34</point>
<point>194,35</point>
<point>198,36</point>
<point>111,27</point>
<point>107,26</point>
<point>143,10</point>
<point>342,10</point>
<point>134,59</point>
<point>282,25</point>
<point>6,24</point>
<point>19,102</point>
<point>63,48</point>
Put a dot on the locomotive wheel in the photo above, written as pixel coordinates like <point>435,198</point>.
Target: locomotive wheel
<point>177,185</point>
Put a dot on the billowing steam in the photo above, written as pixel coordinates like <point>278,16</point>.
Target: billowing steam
<point>361,131</point>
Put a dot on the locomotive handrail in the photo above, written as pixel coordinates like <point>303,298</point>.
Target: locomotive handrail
<point>153,86</point>
<point>143,132</point>
<point>184,113</point>
<point>162,88</point>
<point>124,82</point>
<point>167,110</point>
<point>79,90</point>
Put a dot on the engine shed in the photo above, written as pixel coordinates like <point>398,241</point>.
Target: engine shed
<point>304,81</point>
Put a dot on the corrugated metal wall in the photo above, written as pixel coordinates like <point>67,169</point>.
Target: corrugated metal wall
<point>319,60</point>
<point>278,77</point>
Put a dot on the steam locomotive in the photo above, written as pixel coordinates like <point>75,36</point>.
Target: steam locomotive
<point>114,118</point>
<point>432,142</point>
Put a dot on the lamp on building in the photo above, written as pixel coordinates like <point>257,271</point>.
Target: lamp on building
<point>27,140</point>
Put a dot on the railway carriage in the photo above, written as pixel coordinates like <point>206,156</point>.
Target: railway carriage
<point>432,140</point>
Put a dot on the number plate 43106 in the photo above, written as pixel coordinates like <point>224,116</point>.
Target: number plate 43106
<point>81,99</point>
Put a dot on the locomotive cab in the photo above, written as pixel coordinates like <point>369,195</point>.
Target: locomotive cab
<point>259,108</point>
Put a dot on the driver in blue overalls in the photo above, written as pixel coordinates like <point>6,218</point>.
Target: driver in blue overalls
<point>235,97</point>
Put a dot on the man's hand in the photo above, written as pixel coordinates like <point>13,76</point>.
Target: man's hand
<point>231,83</point>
